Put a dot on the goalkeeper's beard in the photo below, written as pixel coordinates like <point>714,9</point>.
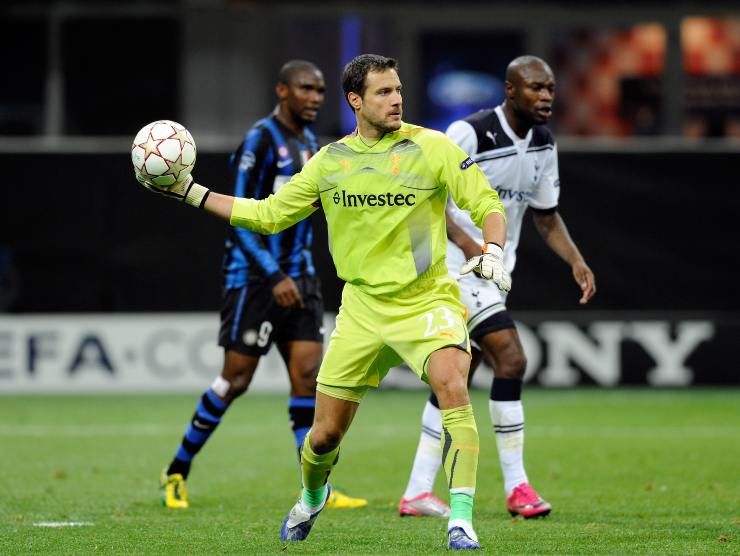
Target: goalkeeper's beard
<point>382,128</point>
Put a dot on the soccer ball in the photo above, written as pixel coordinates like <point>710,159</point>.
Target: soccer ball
<point>163,152</point>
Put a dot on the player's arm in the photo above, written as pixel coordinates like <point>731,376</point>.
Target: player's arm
<point>463,134</point>
<point>489,264</point>
<point>471,191</point>
<point>255,167</point>
<point>494,228</point>
<point>494,231</point>
<point>295,201</point>
<point>457,235</point>
<point>549,224</point>
<point>219,205</point>
<point>553,230</point>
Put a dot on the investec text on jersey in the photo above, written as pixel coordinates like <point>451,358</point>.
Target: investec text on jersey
<point>373,200</point>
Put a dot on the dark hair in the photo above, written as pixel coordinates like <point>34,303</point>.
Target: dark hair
<point>355,72</point>
<point>291,68</point>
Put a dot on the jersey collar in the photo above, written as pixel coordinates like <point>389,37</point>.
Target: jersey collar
<point>507,129</point>
<point>358,145</point>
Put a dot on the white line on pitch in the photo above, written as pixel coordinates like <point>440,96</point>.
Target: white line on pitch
<point>84,430</point>
<point>63,524</point>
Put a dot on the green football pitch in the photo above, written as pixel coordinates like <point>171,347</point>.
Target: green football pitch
<point>627,471</point>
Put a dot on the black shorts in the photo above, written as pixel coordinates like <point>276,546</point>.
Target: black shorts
<point>251,319</point>
<point>494,323</point>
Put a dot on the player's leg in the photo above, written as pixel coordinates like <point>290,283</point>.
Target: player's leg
<point>300,339</point>
<point>320,451</point>
<point>319,455</point>
<point>346,373</point>
<point>503,350</point>
<point>429,333</point>
<point>418,498</point>
<point>448,375</point>
<point>234,380</point>
<point>246,335</point>
<point>303,359</point>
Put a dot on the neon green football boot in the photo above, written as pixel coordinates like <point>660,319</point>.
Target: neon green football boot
<point>172,490</point>
<point>340,501</point>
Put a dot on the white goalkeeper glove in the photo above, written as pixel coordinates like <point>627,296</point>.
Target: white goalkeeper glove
<point>186,190</point>
<point>490,265</point>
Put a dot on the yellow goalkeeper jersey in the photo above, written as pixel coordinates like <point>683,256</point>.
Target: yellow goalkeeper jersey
<point>384,204</point>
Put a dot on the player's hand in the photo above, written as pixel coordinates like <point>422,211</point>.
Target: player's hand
<point>185,190</point>
<point>585,279</point>
<point>286,293</point>
<point>490,265</point>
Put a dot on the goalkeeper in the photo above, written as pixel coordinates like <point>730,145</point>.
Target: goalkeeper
<point>384,189</point>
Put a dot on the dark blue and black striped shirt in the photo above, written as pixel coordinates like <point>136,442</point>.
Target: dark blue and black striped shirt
<point>269,155</point>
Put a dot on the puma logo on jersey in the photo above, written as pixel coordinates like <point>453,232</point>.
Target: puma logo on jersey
<point>491,136</point>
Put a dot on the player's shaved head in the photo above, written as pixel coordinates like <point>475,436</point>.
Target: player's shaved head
<point>292,68</point>
<point>530,92</point>
<point>518,66</point>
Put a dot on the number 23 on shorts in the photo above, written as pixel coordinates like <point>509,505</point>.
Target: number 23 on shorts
<point>438,320</point>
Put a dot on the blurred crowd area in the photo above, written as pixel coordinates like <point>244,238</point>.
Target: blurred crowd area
<point>615,75</point>
<point>623,69</point>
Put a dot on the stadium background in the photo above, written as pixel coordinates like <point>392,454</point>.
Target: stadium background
<point>633,432</point>
<point>647,118</point>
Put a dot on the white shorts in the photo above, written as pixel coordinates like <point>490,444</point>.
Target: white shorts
<point>482,297</point>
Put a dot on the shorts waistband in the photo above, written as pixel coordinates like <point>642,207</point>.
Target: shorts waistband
<point>422,281</point>
<point>437,269</point>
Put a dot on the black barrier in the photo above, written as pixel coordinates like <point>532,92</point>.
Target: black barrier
<point>80,235</point>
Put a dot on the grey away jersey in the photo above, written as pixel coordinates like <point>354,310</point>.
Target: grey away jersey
<point>524,172</point>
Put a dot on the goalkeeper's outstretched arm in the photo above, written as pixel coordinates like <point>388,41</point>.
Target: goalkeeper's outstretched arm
<point>219,205</point>
<point>295,201</point>
<point>193,194</point>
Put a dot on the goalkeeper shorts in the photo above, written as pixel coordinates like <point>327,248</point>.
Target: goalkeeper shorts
<point>376,332</point>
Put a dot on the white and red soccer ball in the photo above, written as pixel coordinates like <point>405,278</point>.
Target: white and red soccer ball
<point>163,152</point>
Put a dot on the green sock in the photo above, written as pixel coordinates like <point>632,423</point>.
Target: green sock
<point>314,498</point>
<point>315,471</point>
<point>461,506</point>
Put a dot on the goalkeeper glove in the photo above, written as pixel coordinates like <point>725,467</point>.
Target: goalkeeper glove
<point>490,265</point>
<point>186,190</point>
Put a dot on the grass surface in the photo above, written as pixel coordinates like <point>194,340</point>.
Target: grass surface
<point>627,472</point>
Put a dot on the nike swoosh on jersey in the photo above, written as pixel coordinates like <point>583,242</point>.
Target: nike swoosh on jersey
<point>284,163</point>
